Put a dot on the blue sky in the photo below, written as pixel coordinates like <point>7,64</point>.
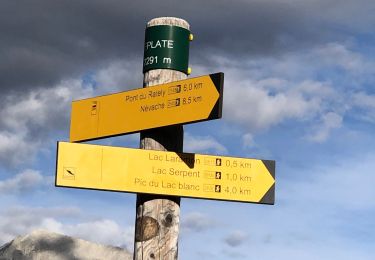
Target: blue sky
<point>299,89</point>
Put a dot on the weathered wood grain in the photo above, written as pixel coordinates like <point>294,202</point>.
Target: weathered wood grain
<point>158,217</point>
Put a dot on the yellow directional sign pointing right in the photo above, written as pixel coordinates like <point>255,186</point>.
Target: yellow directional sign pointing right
<point>179,102</point>
<point>165,173</point>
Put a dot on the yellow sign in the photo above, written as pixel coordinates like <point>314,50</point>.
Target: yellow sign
<point>165,173</point>
<point>179,102</point>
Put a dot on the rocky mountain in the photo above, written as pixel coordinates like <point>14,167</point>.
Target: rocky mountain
<point>44,245</point>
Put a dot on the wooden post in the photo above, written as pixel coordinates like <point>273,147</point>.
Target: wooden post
<point>158,217</point>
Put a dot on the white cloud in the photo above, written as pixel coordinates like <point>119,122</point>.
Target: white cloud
<point>262,94</point>
<point>329,122</point>
<point>197,222</point>
<point>26,122</point>
<point>364,100</point>
<point>366,104</point>
<point>22,182</point>
<point>21,220</point>
<point>309,87</point>
<point>248,140</point>
<point>103,231</point>
<point>42,106</point>
<point>337,54</point>
<point>14,149</point>
<point>339,61</point>
<point>118,76</point>
<point>258,108</point>
<point>203,144</point>
<point>236,238</point>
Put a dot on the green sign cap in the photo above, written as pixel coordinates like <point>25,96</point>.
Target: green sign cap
<point>166,47</point>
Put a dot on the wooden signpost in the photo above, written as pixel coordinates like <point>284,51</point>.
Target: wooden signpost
<point>158,217</point>
<point>160,173</point>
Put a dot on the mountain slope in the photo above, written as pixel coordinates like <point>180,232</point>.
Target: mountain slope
<point>43,245</point>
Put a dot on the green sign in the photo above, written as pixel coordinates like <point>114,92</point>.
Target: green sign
<point>166,47</point>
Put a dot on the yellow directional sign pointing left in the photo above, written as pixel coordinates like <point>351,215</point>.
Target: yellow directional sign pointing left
<point>179,102</point>
<point>165,173</point>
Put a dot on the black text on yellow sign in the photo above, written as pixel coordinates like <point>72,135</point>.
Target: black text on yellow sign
<point>179,102</point>
<point>165,173</point>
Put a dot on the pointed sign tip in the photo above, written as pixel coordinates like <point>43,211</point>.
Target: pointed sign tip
<point>218,81</point>
<point>270,165</point>
<point>269,196</point>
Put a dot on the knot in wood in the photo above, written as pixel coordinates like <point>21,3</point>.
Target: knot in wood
<point>168,220</point>
<point>146,228</point>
